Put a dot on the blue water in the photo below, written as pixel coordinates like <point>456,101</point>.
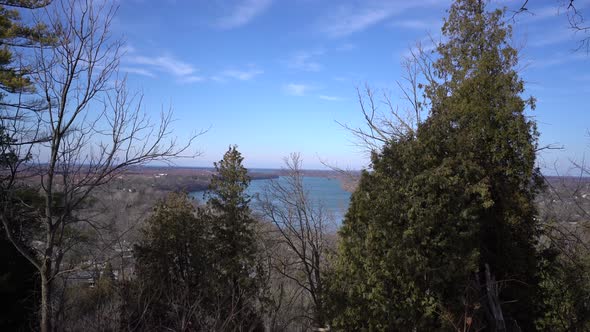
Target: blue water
<point>325,191</point>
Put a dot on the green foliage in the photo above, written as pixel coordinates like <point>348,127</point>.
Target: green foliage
<point>565,283</point>
<point>174,257</point>
<point>174,243</point>
<point>233,235</point>
<point>198,266</point>
<point>227,191</point>
<point>232,227</point>
<point>442,203</point>
<point>14,34</point>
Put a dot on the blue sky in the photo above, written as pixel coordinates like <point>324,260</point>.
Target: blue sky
<point>275,76</point>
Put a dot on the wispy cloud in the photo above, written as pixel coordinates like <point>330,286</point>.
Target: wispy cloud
<point>138,71</point>
<point>425,45</point>
<point>536,14</point>
<point>297,89</point>
<point>192,79</point>
<point>243,13</point>
<point>552,37</point>
<point>165,63</point>
<point>305,61</point>
<point>127,49</point>
<point>242,75</point>
<point>330,98</point>
<point>147,66</point>
<point>353,18</point>
<point>415,24</point>
<point>183,72</point>
<point>346,47</point>
<point>557,59</point>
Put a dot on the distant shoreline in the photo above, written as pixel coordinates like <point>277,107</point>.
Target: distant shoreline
<point>189,179</point>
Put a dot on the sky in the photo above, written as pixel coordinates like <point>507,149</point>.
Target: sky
<point>278,76</point>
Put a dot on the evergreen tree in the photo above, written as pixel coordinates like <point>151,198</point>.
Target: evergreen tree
<point>449,209</point>
<point>565,283</point>
<point>18,277</point>
<point>233,236</point>
<point>175,242</point>
<point>173,264</point>
<point>199,264</point>
<point>14,34</point>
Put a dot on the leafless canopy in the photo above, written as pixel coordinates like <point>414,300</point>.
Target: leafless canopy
<point>575,18</point>
<point>384,119</point>
<point>83,128</point>
<point>303,230</point>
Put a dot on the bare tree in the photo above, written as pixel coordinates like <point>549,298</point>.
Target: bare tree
<point>385,120</point>
<point>88,130</point>
<point>579,25</point>
<point>286,304</point>
<point>302,227</point>
<point>575,18</point>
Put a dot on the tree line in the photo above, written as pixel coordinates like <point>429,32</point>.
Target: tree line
<point>444,232</point>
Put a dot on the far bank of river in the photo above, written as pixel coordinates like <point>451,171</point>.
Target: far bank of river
<point>327,191</point>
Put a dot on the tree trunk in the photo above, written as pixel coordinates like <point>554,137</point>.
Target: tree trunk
<point>45,324</point>
<point>494,305</point>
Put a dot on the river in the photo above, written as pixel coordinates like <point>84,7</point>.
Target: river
<point>326,191</point>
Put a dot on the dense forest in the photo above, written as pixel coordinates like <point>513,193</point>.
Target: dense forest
<point>451,228</point>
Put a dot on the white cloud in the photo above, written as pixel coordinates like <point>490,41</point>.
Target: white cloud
<point>350,19</point>
<point>426,45</point>
<point>296,89</point>
<point>166,64</point>
<point>127,49</point>
<point>330,98</point>
<point>342,78</point>
<point>183,71</point>
<point>138,71</point>
<point>346,47</point>
<point>237,74</point>
<point>191,79</point>
<point>557,60</point>
<point>536,14</point>
<point>354,22</point>
<point>552,37</point>
<point>242,75</point>
<point>304,61</point>
<point>243,13</point>
<point>417,24</point>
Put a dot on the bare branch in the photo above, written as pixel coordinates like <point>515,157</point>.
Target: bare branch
<point>302,227</point>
